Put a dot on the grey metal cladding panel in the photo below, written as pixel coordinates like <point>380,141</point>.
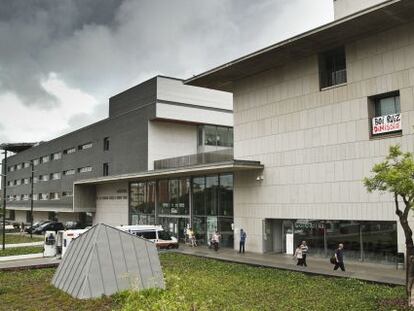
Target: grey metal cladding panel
<point>156,265</point>
<point>73,261</point>
<point>132,266</point>
<point>95,278</point>
<point>106,263</point>
<point>144,261</point>
<point>134,97</point>
<point>118,258</point>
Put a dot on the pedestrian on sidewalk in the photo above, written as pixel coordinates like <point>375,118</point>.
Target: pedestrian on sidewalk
<point>22,227</point>
<point>339,257</point>
<point>243,237</point>
<point>304,247</point>
<point>298,255</point>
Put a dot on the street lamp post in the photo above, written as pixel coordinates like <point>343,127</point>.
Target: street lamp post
<point>4,198</point>
<point>31,198</point>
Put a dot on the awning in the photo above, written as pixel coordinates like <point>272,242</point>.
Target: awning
<point>390,14</point>
<point>16,147</point>
<point>215,168</point>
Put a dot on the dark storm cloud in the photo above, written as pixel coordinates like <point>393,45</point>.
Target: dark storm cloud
<point>105,46</point>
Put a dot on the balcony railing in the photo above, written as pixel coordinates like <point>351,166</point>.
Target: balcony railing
<point>195,159</point>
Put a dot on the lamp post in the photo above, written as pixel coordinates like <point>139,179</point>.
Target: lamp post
<point>4,198</point>
<point>31,198</point>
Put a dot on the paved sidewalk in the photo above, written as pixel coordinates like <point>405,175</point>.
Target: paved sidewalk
<point>379,273</point>
<point>32,263</point>
<point>40,243</point>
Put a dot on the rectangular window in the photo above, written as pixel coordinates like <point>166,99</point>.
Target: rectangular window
<point>35,196</point>
<point>56,155</point>
<point>36,162</point>
<point>67,193</point>
<point>85,146</point>
<point>332,68</point>
<point>9,183</point>
<point>106,144</point>
<point>45,159</point>
<point>55,176</point>
<point>69,150</point>
<point>19,166</point>
<point>26,181</point>
<point>12,214</point>
<point>28,217</point>
<point>18,182</point>
<point>68,172</point>
<point>44,177</point>
<point>385,114</point>
<point>26,164</point>
<point>26,197</point>
<point>105,169</point>
<point>44,196</point>
<point>35,179</point>
<point>54,196</point>
<point>85,169</point>
<point>215,136</point>
<point>11,168</point>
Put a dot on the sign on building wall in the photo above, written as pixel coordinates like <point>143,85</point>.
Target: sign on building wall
<point>386,124</point>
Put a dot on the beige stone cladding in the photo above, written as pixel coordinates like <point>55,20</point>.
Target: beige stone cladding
<point>112,204</point>
<point>315,144</point>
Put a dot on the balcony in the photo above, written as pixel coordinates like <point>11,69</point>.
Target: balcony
<point>195,159</point>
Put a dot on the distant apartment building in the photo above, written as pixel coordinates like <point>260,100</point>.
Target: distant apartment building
<point>318,111</point>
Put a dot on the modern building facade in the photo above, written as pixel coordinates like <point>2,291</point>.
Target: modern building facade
<point>158,119</point>
<point>318,111</point>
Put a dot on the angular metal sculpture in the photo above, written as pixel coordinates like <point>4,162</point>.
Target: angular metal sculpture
<point>105,260</point>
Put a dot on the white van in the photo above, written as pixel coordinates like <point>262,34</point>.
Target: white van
<point>156,234</point>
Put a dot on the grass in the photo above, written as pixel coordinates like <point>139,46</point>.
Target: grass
<point>17,238</point>
<point>21,250</point>
<point>204,284</point>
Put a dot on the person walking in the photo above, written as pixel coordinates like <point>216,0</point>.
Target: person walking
<point>304,247</point>
<point>339,257</point>
<point>243,237</point>
<point>298,255</point>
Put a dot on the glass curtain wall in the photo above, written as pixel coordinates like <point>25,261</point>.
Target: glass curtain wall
<point>174,205</point>
<point>213,207</point>
<point>374,241</point>
<point>142,203</point>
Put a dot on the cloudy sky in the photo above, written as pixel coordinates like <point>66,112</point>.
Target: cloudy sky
<point>61,60</point>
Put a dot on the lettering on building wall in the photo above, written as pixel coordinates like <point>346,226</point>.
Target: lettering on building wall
<point>386,124</point>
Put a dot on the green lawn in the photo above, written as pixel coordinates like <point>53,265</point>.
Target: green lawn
<point>17,238</point>
<point>21,250</point>
<point>204,284</point>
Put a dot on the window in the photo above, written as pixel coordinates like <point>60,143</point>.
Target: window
<point>215,136</point>
<point>26,164</point>
<point>384,111</point>
<point>69,172</point>
<point>332,68</point>
<point>9,183</point>
<point>15,182</point>
<point>105,169</point>
<point>19,166</point>
<point>67,194</point>
<point>35,179</point>
<point>44,177</point>
<point>85,169</point>
<point>26,197</point>
<point>45,159</point>
<point>28,216</point>
<point>69,150</point>
<point>35,196</point>
<point>12,214</point>
<point>36,162</point>
<point>11,168</point>
<point>44,196</point>
<point>54,196</point>
<point>106,144</point>
<point>18,182</point>
<point>56,156</point>
<point>85,146</point>
<point>55,176</point>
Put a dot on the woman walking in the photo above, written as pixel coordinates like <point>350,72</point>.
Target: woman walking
<point>299,255</point>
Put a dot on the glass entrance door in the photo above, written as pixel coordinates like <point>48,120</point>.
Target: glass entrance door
<point>175,226</point>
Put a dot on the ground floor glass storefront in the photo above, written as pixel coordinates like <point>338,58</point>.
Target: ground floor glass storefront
<point>204,203</point>
<point>374,241</point>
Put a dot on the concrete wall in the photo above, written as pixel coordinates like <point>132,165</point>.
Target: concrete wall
<point>168,140</point>
<point>315,145</point>
<point>112,204</point>
<point>348,7</point>
<point>40,216</point>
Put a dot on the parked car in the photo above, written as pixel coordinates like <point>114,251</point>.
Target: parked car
<point>36,225</point>
<point>156,234</point>
<point>71,225</point>
<point>50,226</point>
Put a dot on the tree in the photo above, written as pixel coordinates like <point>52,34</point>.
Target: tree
<point>395,175</point>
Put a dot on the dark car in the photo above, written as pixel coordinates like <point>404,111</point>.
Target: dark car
<point>70,225</point>
<point>50,226</point>
<point>37,225</point>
